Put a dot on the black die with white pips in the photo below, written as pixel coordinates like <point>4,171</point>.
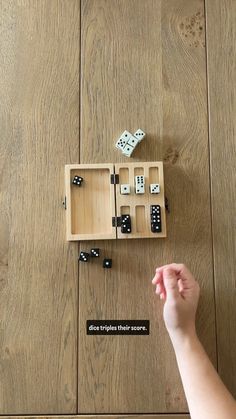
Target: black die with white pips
<point>107,263</point>
<point>95,253</point>
<point>126,224</point>
<point>78,180</point>
<point>156,227</point>
<point>155,216</point>
<point>84,257</point>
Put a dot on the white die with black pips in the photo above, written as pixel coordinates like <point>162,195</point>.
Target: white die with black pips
<point>127,142</point>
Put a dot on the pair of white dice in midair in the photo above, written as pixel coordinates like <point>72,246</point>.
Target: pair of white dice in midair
<point>127,142</point>
<point>140,187</point>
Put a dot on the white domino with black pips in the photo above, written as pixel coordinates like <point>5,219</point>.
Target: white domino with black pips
<point>139,184</point>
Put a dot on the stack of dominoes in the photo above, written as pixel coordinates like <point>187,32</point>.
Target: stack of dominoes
<point>128,142</point>
<point>155,214</point>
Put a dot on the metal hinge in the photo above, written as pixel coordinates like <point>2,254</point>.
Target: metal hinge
<point>114,179</point>
<point>64,203</point>
<point>116,221</point>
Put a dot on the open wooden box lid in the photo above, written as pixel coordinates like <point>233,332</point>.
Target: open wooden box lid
<point>90,208</point>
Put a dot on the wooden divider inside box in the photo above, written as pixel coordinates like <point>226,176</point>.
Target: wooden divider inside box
<point>90,207</point>
<point>138,206</point>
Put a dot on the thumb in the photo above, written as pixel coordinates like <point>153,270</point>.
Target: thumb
<point>171,284</point>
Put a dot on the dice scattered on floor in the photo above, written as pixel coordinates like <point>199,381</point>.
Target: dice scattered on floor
<point>128,142</point>
<point>94,253</point>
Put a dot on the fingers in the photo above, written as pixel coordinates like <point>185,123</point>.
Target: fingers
<point>160,289</point>
<point>180,269</point>
<point>180,285</point>
<point>171,284</point>
<point>157,277</point>
<point>180,280</point>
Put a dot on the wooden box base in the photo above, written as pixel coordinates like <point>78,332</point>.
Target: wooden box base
<point>91,207</point>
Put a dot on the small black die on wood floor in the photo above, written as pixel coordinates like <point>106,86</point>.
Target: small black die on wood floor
<point>107,263</point>
<point>95,252</point>
<point>84,257</point>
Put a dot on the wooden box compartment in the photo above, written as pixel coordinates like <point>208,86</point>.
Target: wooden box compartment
<point>92,207</point>
<point>138,206</point>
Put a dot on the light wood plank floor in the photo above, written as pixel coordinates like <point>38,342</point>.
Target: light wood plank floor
<point>122,69</point>
<point>39,85</point>
<point>221,63</point>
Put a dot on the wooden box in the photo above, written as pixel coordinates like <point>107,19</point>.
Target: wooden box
<point>93,210</point>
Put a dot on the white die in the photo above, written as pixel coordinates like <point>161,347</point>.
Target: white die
<point>155,188</point>
<point>125,189</point>
<point>128,150</point>
<point>139,134</point>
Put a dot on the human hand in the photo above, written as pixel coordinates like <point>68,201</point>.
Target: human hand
<point>176,285</point>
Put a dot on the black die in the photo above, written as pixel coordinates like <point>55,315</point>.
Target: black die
<point>107,263</point>
<point>156,227</point>
<point>126,229</point>
<point>77,180</point>
<point>84,257</point>
<point>95,253</point>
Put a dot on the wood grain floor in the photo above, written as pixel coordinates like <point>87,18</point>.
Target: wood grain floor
<point>73,75</point>
<point>222,127</point>
<point>104,417</point>
<point>142,64</point>
<point>39,134</point>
